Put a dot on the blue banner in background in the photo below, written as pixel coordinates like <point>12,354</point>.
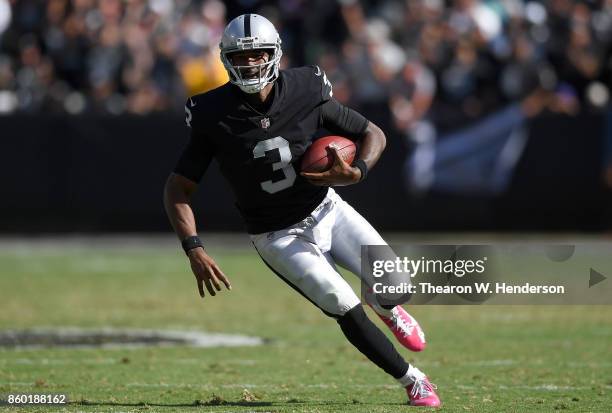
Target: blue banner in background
<point>477,160</point>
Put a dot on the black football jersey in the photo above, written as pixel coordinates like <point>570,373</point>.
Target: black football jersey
<point>259,153</point>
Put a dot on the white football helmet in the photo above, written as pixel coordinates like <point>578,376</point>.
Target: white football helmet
<point>251,32</point>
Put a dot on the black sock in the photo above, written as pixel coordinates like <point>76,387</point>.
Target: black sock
<point>368,339</point>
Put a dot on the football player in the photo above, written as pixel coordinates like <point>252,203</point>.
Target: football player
<point>257,126</point>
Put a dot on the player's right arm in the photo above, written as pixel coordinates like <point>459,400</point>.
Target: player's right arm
<point>180,186</point>
<point>177,196</point>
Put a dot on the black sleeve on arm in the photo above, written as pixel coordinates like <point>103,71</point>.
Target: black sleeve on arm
<point>195,159</point>
<point>344,121</point>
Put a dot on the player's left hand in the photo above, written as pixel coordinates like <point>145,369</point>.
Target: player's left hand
<point>340,174</point>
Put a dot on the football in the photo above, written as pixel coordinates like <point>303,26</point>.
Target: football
<point>318,157</point>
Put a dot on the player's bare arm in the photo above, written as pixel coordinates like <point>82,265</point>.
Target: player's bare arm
<point>372,145</point>
<point>341,173</point>
<point>177,195</point>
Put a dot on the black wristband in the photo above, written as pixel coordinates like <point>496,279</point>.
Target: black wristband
<point>361,165</point>
<point>190,243</point>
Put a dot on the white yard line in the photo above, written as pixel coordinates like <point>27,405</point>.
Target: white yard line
<point>58,362</point>
<point>68,337</point>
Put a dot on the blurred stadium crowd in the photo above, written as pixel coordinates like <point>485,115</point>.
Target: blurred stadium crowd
<point>452,60</point>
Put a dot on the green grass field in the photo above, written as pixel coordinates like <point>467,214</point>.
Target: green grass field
<point>483,358</point>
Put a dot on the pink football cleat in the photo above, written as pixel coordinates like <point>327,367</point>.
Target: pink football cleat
<point>405,328</point>
<point>422,393</point>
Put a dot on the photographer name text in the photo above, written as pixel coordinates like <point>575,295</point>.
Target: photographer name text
<point>478,288</point>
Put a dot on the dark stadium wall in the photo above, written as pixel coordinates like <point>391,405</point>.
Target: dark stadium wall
<point>106,174</point>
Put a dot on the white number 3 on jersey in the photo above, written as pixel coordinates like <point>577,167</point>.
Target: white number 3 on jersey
<point>282,146</point>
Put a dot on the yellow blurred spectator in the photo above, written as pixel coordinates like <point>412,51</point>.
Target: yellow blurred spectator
<point>203,73</point>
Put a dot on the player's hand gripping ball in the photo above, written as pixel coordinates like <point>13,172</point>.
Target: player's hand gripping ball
<point>319,158</point>
<point>327,162</point>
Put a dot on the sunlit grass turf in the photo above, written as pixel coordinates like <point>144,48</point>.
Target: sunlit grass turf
<point>483,358</point>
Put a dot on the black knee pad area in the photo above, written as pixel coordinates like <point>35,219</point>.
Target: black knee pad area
<point>354,316</point>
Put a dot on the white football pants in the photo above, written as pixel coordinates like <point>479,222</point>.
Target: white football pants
<point>305,254</point>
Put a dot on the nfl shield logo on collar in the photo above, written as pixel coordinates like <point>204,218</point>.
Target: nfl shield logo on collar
<point>265,123</point>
